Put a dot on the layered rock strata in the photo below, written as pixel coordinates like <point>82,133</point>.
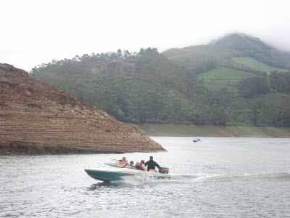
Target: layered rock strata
<point>38,119</point>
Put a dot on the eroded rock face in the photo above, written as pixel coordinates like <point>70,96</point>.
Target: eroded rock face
<point>36,118</point>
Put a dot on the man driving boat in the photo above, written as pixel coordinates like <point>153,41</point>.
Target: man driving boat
<point>151,164</point>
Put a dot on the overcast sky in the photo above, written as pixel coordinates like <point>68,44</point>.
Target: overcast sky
<point>37,31</point>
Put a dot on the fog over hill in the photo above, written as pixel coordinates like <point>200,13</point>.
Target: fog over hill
<point>105,26</point>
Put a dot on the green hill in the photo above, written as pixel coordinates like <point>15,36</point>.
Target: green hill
<point>232,49</point>
<point>252,64</point>
<point>227,82</point>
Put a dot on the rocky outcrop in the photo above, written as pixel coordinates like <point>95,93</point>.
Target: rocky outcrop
<point>36,118</point>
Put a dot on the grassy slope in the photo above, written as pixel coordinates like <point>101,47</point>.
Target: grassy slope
<point>254,64</point>
<point>195,57</point>
<point>222,77</point>
<point>236,51</point>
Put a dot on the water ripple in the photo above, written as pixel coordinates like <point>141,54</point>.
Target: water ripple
<point>213,178</point>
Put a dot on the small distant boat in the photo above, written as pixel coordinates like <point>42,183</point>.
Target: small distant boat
<point>196,140</point>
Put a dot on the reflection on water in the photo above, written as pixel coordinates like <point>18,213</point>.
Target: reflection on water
<point>216,177</point>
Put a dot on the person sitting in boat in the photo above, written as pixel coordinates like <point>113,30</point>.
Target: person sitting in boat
<point>131,164</point>
<point>137,165</point>
<point>123,162</point>
<point>151,164</point>
<point>141,165</point>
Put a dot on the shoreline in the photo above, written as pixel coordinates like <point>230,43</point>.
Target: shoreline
<point>61,151</point>
<point>184,130</point>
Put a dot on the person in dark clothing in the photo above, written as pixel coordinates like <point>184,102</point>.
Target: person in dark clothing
<point>151,164</point>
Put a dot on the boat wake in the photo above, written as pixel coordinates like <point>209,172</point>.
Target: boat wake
<point>281,176</point>
<point>139,178</point>
<point>145,179</point>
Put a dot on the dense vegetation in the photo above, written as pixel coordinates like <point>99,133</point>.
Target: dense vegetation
<point>235,80</point>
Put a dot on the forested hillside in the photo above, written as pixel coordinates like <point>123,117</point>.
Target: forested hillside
<point>235,80</point>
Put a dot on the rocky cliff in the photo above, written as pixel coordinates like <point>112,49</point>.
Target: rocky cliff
<point>36,118</point>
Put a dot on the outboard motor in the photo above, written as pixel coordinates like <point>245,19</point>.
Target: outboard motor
<point>164,170</point>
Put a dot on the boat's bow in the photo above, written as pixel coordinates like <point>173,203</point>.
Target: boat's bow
<point>107,176</point>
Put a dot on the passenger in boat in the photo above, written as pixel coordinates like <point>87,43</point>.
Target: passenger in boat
<point>137,165</point>
<point>123,162</point>
<point>151,164</point>
<point>141,165</point>
<point>131,164</point>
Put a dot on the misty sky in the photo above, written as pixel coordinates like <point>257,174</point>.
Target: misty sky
<point>37,31</point>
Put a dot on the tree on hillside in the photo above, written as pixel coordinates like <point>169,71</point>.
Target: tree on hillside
<point>146,86</point>
<point>254,86</point>
<point>280,81</point>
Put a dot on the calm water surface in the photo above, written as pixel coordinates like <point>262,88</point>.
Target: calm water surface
<point>216,177</point>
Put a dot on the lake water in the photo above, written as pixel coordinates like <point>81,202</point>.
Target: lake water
<point>216,177</point>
